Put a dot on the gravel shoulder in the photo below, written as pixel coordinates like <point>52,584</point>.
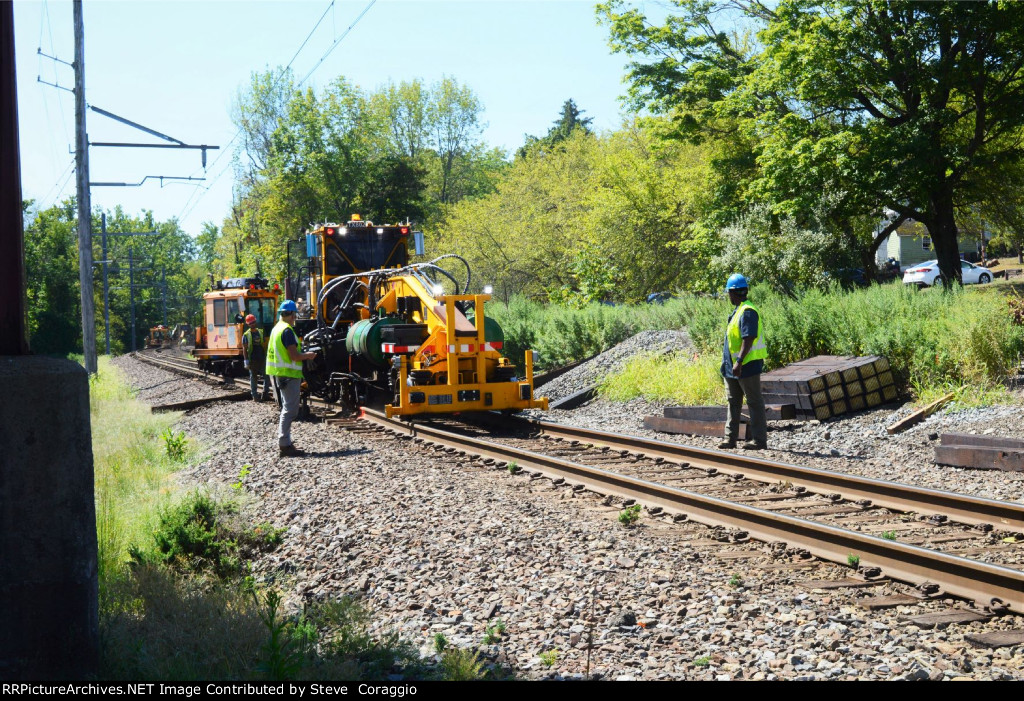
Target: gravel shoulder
<point>445,547</point>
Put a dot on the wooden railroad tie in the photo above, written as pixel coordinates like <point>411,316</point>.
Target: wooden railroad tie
<point>714,429</point>
<point>775,412</point>
<point>980,452</point>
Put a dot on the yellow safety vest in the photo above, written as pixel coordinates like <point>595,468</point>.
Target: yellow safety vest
<point>279,363</point>
<point>759,351</point>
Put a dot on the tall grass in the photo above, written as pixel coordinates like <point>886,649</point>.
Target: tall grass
<point>174,604</point>
<point>931,337</point>
<point>667,378</point>
<point>132,467</point>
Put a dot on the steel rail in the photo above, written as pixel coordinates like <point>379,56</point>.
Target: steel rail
<point>901,497</point>
<point>894,495</point>
<point>986,584</point>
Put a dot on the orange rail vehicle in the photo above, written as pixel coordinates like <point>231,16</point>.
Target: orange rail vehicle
<point>219,340</point>
<point>159,337</point>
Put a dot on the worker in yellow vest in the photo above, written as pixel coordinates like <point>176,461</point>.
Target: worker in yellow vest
<point>284,364</point>
<point>742,363</point>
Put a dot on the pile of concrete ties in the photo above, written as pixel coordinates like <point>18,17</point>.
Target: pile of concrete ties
<point>831,385</point>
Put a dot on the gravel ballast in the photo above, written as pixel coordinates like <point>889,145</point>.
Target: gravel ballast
<point>608,362</point>
<point>441,546</point>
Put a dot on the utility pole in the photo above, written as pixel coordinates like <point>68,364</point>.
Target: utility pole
<point>84,203</point>
<point>163,291</point>
<point>131,290</point>
<point>106,287</point>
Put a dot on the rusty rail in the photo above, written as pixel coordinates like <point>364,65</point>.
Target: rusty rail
<point>988,585</point>
<point>893,495</point>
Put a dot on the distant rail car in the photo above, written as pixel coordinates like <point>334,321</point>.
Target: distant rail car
<point>405,335</point>
<point>218,342</point>
<point>159,337</point>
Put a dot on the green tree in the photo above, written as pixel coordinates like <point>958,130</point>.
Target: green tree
<point>455,124</point>
<point>568,122</point>
<point>612,217</point>
<point>896,104</point>
<point>51,274</point>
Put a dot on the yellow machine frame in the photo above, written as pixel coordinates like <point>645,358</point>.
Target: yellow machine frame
<point>465,389</point>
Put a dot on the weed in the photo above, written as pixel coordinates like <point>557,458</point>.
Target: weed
<point>702,661</point>
<point>549,658</point>
<point>513,467</point>
<point>853,560</point>
<point>889,535</point>
<point>493,632</point>
<point>285,651</point>
<point>969,337</point>
<point>242,474</point>
<point>440,643</point>
<point>458,665</point>
<point>736,581</point>
<point>175,443</point>
<point>630,515</point>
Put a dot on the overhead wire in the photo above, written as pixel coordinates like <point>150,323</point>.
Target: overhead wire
<point>201,190</point>
<point>337,41</point>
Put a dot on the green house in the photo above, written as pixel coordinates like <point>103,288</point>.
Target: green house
<point>910,244</point>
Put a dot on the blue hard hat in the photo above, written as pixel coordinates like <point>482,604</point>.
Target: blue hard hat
<point>736,282</point>
<point>287,307</point>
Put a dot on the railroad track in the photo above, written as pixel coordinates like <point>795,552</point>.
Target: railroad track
<point>939,542</point>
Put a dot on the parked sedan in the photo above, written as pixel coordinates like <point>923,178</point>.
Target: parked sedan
<point>926,274</point>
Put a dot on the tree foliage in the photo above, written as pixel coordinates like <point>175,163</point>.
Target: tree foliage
<point>896,104</point>
<point>164,275</point>
<point>400,152</point>
<point>611,217</point>
<point>569,121</point>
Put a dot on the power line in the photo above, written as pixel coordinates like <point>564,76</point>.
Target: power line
<point>69,166</point>
<point>238,132</point>
<point>338,41</point>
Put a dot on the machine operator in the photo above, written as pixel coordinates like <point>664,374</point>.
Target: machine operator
<point>284,364</point>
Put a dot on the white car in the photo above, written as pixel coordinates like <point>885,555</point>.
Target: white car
<point>927,273</point>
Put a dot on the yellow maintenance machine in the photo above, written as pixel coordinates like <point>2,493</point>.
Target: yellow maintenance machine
<point>398,333</point>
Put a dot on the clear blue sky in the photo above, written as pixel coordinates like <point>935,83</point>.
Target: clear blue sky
<point>175,67</point>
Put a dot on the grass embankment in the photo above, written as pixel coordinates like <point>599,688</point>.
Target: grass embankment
<point>967,341</point>
<point>175,603</point>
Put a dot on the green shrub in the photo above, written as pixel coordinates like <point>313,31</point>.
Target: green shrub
<point>199,535</point>
<point>931,338</point>
<point>460,665</point>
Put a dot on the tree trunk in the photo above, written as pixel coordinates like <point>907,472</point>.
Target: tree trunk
<point>942,229</point>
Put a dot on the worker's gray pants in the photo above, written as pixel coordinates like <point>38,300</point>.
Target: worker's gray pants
<point>749,387</point>
<point>287,389</point>
<point>254,381</point>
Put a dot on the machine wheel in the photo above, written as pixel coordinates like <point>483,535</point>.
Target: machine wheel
<point>984,279</point>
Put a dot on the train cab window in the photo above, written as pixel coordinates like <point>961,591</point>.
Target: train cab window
<point>263,309</point>
<point>219,312</point>
<point>235,310</point>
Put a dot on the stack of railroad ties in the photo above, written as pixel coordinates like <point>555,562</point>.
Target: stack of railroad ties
<point>817,388</point>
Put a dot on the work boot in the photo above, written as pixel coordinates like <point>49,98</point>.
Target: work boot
<point>290,451</point>
<point>264,397</point>
<point>755,445</point>
<point>727,443</point>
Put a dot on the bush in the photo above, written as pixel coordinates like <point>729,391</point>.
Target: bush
<point>931,338</point>
<point>199,535</point>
